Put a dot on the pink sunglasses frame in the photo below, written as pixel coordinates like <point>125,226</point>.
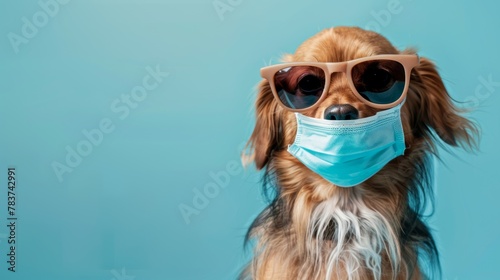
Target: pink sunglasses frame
<point>408,61</point>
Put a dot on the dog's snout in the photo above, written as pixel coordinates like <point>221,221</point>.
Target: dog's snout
<point>341,112</point>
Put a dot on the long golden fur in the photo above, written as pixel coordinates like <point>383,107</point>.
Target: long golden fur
<point>385,212</point>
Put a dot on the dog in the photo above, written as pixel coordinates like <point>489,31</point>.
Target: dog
<point>375,229</point>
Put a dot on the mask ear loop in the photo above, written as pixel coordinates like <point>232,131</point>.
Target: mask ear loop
<point>289,102</point>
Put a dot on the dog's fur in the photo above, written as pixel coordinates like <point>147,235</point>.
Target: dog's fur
<point>313,229</point>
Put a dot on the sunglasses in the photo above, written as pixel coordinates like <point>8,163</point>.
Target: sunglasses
<point>381,81</point>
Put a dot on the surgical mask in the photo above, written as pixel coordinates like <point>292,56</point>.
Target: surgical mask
<point>348,152</point>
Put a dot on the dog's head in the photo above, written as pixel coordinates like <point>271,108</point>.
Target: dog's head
<point>428,107</point>
<point>387,207</point>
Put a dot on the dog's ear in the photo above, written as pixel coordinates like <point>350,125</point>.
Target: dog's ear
<point>434,109</point>
<point>266,134</point>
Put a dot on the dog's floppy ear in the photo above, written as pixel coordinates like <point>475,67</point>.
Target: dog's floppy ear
<point>434,109</point>
<point>266,134</point>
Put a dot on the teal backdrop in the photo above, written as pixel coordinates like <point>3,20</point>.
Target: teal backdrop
<point>124,121</point>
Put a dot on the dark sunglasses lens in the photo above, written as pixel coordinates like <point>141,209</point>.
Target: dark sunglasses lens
<point>299,87</point>
<point>379,81</point>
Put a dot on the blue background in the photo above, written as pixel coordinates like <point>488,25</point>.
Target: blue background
<point>116,215</point>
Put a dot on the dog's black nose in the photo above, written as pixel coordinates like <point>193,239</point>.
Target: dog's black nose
<point>341,112</point>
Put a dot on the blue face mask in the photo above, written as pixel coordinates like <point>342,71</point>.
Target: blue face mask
<point>348,152</point>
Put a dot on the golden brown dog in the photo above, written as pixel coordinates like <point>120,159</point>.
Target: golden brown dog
<point>376,229</point>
